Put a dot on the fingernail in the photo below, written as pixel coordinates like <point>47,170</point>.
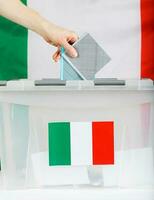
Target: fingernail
<point>74,54</point>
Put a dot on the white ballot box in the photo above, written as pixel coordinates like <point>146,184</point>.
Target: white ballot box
<point>77,133</point>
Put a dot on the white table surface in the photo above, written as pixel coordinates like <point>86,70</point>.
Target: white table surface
<point>78,194</point>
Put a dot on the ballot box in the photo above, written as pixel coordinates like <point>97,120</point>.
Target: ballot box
<point>57,133</point>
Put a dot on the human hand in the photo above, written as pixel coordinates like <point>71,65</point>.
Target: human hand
<point>32,20</point>
<point>60,37</point>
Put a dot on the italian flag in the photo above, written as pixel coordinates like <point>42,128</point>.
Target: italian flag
<point>81,143</point>
<point>123,28</point>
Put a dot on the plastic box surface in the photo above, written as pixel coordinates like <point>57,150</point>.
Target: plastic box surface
<point>26,110</point>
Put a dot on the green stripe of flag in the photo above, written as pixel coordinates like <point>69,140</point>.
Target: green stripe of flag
<point>59,144</point>
<point>13,50</point>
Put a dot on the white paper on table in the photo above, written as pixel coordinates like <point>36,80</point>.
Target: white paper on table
<point>46,175</point>
<point>133,167</point>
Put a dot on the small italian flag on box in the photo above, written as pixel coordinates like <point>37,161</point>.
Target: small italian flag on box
<point>81,143</point>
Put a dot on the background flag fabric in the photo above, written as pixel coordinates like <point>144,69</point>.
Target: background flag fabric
<point>13,50</point>
<point>123,28</point>
<point>81,143</point>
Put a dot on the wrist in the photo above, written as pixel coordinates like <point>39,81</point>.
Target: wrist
<point>46,28</point>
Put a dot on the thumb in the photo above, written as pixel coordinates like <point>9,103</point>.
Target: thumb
<point>70,49</point>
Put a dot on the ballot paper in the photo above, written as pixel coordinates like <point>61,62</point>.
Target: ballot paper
<point>48,176</point>
<point>132,168</point>
<point>91,58</point>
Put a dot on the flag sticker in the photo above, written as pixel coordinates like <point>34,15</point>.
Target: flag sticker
<point>81,143</point>
<point>59,144</point>
<point>103,144</point>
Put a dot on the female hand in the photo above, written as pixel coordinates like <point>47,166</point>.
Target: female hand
<point>16,11</point>
<point>60,37</point>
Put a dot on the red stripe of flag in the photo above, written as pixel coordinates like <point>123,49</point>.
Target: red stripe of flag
<point>103,143</point>
<point>147,39</point>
